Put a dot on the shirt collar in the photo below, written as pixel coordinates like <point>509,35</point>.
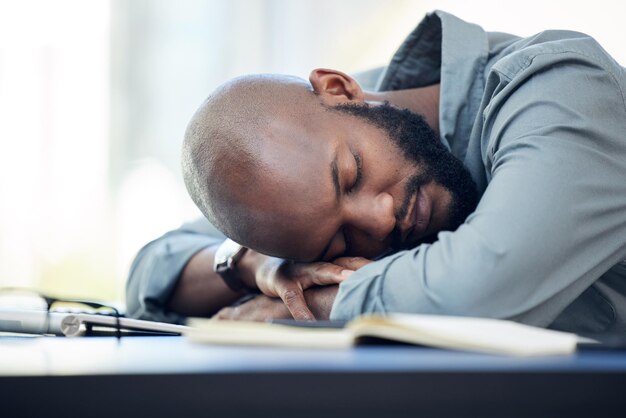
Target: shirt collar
<point>445,49</point>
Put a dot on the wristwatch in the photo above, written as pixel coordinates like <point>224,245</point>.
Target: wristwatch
<point>226,258</point>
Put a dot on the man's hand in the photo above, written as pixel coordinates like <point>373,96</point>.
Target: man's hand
<point>352,263</point>
<point>287,280</point>
<point>263,308</point>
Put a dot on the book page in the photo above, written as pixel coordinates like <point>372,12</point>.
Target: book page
<point>465,333</point>
<point>264,334</point>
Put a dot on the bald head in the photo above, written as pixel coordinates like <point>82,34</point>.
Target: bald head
<point>224,138</point>
<point>314,171</point>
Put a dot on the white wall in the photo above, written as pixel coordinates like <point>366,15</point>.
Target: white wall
<point>54,120</point>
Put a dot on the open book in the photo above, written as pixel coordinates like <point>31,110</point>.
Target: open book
<point>460,333</point>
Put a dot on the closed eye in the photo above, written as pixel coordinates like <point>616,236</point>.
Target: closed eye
<point>359,173</point>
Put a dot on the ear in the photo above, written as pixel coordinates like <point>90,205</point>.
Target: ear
<point>335,87</point>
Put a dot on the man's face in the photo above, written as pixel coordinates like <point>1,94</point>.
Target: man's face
<point>355,180</point>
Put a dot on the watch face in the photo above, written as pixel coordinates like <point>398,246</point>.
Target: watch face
<point>228,252</point>
<point>221,256</point>
<point>226,258</point>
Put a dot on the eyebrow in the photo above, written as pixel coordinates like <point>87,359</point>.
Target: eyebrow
<point>334,172</point>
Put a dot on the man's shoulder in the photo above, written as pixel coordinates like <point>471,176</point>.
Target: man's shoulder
<point>552,48</point>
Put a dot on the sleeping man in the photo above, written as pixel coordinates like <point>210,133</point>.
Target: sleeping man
<point>485,176</point>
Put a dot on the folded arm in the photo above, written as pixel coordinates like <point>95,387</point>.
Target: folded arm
<point>185,254</point>
<point>551,221</point>
<point>172,278</point>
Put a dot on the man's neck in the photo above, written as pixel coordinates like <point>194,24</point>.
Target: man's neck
<point>422,100</point>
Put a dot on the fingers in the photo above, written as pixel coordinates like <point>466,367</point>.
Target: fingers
<point>321,274</point>
<point>288,281</point>
<point>227,313</point>
<point>293,297</point>
<point>293,278</point>
<point>352,263</point>
<point>261,308</point>
<point>329,273</point>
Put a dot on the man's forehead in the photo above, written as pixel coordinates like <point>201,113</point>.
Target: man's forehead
<point>293,190</point>
<point>291,145</point>
<point>288,230</point>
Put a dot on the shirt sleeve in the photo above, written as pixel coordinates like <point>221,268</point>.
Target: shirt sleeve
<point>158,265</point>
<point>551,221</point>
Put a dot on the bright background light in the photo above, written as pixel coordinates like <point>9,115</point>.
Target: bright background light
<point>95,96</point>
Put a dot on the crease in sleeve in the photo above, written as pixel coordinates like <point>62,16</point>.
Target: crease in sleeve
<point>363,291</point>
<point>155,272</point>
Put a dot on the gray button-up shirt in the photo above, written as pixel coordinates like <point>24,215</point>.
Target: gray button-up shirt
<point>541,124</point>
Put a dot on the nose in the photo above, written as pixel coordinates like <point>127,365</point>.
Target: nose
<point>373,216</point>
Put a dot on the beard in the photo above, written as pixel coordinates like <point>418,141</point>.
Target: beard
<point>420,145</point>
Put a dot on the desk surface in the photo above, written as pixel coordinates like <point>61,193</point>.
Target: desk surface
<point>162,355</point>
<point>161,376</point>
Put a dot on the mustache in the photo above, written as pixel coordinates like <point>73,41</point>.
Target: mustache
<point>413,184</point>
